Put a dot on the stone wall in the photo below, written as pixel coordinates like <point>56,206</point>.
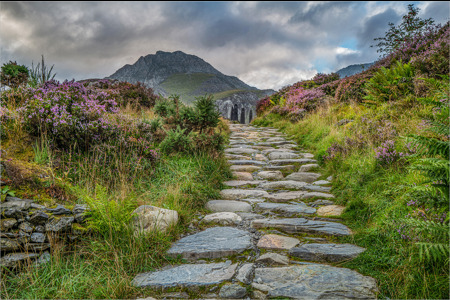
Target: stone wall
<point>239,107</point>
<point>28,230</point>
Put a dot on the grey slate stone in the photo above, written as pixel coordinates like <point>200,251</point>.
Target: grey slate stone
<point>59,225</point>
<point>285,184</point>
<point>37,237</point>
<point>303,176</point>
<point>296,225</point>
<point>244,273</point>
<point>13,260</point>
<point>39,218</point>
<point>228,206</point>
<point>234,194</point>
<point>232,291</point>
<point>282,155</point>
<point>213,242</point>
<point>285,196</point>
<point>301,161</point>
<point>187,275</point>
<point>284,209</point>
<point>314,281</point>
<point>326,252</point>
<point>247,162</point>
<point>59,210</point>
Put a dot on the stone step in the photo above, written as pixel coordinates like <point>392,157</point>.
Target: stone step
<point>240,162</point>
<point>188,275</point>
<point>302,225</point>
<point>314,281</point>
<point>228,206</point>
<point>234,194</point>
<point>301,161</point>
<point>238,183</point>
<point>326,252</point>
<point>286,210</point>
<point>215,242</point>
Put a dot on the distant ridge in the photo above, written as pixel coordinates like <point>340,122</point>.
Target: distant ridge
<point>353,69</point>
<point>184,74</point>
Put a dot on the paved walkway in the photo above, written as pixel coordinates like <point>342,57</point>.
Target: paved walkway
<point>270,233</point>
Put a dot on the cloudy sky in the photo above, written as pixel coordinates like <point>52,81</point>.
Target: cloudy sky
<point>266,44</point>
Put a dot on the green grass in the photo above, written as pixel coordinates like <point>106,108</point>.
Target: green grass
<point>375,197</point>
<point>103,264</point>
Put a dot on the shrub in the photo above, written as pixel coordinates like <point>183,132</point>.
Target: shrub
<point>176,141</point>
<point>390,84</point>
<point>137,95</point>
<point>213,144</point>
<point>14,75</point>
<point>320,78</point>
<point>207,113</point>
<point>352,88</point>
<point>69,114</point>
<point>164,108</point>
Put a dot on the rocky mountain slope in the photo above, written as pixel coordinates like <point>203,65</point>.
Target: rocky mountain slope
<point>186,75</point>
<point>353,69</point>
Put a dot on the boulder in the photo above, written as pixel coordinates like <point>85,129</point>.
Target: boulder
<point>148,218</point>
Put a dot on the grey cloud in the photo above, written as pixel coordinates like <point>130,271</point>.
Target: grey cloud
<point>438,10</point>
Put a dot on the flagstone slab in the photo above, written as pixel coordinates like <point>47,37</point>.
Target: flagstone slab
<point>238,183</point>
<point>270,175</point>
<point>234,194</point>
<point>301,161</point>
<point>228,206</point>
<point>308,167</point>
<point>326,252</point>
<point>321,182</point>
<point>314,281</point>
<point>247,168</point>
<point>188,275</point>
<point>284,184</point>
<point>241,151</point>
<point>282,155</point>
<point>284,209</point>
<point>298,225</point>
<point>222,218</point>
<point>317,194</point>
<point>308,177</point>
<point>277,242</point>
<point>240,162</point>
<point>243,175</point>
<point>285,196</point>
<point>215,242</point>
<point>330,210</point>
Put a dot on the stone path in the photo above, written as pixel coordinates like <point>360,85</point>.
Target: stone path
<point>269,235</point>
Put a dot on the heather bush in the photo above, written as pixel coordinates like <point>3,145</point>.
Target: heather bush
<point>390,84</point>
<point>263,104</point>
<point>320,78</point>
<point>352,88</point>
<point>68,113</point>
<point>13,75</point>
<point>125,93</point>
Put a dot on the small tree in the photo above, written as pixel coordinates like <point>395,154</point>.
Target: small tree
<point>396,36</point>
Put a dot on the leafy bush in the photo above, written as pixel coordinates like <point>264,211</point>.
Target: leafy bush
<point>14,75</point>
<point>177,141</point>
<point>390,84</point>
<point>320,78</point>
<point>213,144</point>
<point>164,108</point>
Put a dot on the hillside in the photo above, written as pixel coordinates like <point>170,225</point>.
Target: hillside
<point>353,69</point>
<point>183,74</point>
<point>383,134</point>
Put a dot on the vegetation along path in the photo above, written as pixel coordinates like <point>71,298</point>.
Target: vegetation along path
<point>270,235</point>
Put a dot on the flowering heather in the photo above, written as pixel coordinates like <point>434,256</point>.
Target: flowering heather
<point>69,113</point>
<point>386,154</point>
<point>321,78</point>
